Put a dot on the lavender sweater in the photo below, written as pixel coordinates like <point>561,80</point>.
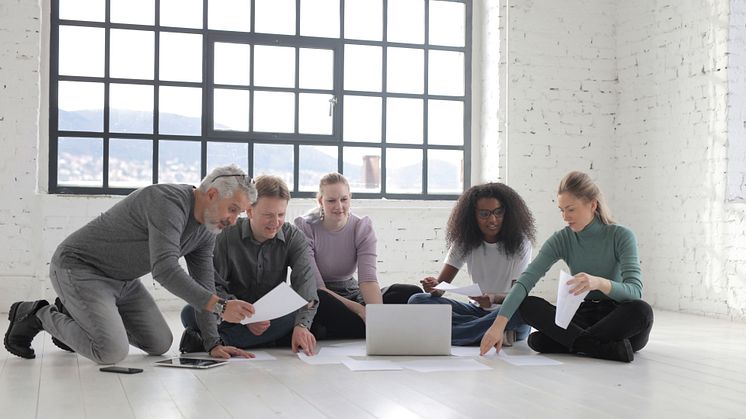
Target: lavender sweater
<point>336,254</point>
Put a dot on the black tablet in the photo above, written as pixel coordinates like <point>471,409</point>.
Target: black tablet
<point>183,362</point>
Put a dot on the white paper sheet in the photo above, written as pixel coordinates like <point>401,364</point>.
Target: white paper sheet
<point>527,360</point>
<point>567,304</point>
<point>465,351</point>
<point>352,350</point>
<point>469,290</point>
<point>319,359</point>
<point>355,365</point>
<point>447,364</point>
<point>276,303</point>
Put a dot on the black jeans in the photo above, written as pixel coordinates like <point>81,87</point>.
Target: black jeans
<point>606,321</point>
<point>334,320</point>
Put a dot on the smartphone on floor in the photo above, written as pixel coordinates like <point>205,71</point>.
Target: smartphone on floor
<point>121,370</point>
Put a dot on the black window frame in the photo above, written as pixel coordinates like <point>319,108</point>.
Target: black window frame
<point>208,134</point>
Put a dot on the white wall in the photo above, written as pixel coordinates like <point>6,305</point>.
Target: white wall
<point>671,148</point>
<point>632,92</point>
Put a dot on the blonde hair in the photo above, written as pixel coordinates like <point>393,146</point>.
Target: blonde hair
<point>331,179</point>
<point>581,186</point>
<point>315,215</point>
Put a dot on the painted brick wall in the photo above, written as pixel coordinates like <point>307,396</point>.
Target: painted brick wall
<point>561,97</point>
<point>671,148</point>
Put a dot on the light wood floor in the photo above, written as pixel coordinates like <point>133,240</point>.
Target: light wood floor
<point>693,367</point>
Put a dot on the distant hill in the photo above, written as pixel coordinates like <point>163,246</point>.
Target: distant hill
<point>126,121</point>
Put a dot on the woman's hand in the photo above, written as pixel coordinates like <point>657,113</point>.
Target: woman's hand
<point>583,282</point>
<point>484,300</point>
<point>429,284</point>
<point>225,352</point>
<point>493,338</point>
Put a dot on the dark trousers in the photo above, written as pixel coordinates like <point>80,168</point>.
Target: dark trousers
<point>605,321</point>
<point>334,320</point>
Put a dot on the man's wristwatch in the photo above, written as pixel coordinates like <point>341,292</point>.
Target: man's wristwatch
<point>219,307</point>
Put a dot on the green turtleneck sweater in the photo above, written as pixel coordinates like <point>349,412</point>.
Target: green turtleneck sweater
<point>608,251</point>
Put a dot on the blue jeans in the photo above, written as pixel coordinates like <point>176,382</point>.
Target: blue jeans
<point>239,335</point>
<point>469,323</point>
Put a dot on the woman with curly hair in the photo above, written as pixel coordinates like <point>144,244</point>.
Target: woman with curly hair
<point>612,322</point>
<point>490,230</point>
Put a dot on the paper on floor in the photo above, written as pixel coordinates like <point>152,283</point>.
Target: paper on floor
<point>356,365</point>
<point>447,364</point>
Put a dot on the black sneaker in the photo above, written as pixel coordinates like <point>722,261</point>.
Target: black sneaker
<point>615,351</point>
<point>23,327</point>
<point>58,343</point>
<point>191,341</point>
<point>542,343</point>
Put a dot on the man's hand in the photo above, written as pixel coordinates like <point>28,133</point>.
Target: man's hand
<point>236,310</point>
<point>303,339</point>
<point>222,351</point>
<point>429,284</point>
<point>258,328</point>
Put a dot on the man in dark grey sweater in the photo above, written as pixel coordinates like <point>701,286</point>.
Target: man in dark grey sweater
<point>102,306</point>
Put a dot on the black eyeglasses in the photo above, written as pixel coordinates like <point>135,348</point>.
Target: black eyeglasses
<point>251,181</point>
<point>497,212</point>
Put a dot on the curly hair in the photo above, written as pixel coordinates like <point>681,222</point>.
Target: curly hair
<point>463,234</point>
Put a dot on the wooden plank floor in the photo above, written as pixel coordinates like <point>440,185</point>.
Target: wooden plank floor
<point>692,367</point>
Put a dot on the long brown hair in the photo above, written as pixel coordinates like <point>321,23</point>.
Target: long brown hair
<point>581,186</point>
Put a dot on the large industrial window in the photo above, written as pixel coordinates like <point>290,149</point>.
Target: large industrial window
<point>159,91</point>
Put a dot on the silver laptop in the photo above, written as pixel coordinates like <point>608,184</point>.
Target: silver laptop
<point>408,329</point>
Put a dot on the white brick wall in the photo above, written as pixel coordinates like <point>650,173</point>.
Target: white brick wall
<point>633,92</point>
<point>671,149</point>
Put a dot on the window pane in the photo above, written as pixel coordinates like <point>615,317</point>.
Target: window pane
<point>133,11</point>
<point>319,18</point>
<point>130,163</point>
<point>131,54</point>
<point>229,15</point>
<point>232,64</point>
<point>364,19</point>
<point>179,162</point>
<point>446,73</point>
<point>405,70</point>
<point>403,170</point>
<point>404,121</point>
<point>81,106</point>
<point>81,51</point>
<point>180,110</point>
<point>223,154</point>
<point>231,110</point>
<point>274,66</point>
<point>181,13</point>
<point>275,16</point>
<point>91,10</point>
<point>362,168</point>
<point>180,57</point>
<point>316,68</point>
<point>131,108</point>
<point>447,23</point>
<point>80,162</point>
<point>362,119</point>
<point>445,170</point>
<point>445,122</point>
<point>406,21</point>
<point>275,159</point>
<point>315,162</point>
<point>362,68</point>
<point>274,112</point>
<point>314,117</point>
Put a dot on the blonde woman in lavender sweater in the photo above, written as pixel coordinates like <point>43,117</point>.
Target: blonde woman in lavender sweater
<point>341,243</point>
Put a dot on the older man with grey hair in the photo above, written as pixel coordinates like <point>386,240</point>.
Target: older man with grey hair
<point>102,307</point>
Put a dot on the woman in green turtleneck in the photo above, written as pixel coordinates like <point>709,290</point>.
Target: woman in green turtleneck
<point>613,322</point>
